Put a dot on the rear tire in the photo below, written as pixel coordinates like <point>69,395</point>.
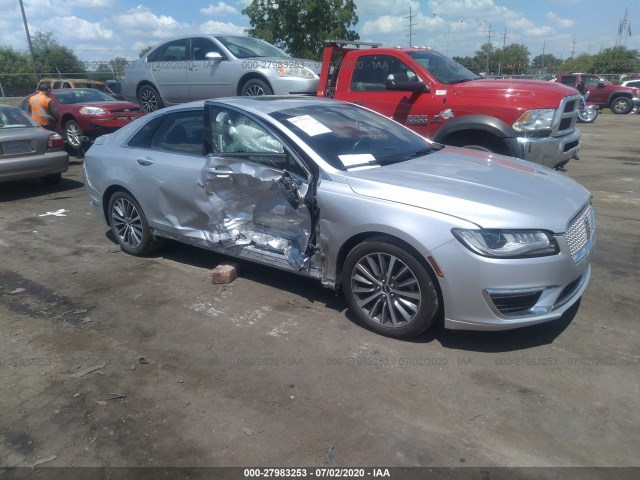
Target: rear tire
<point>388,289</point>
<point>621,105</point>
<point>53,179</point>
<point>130,227</point>
<point>149,99</point>
<point>73,134</point>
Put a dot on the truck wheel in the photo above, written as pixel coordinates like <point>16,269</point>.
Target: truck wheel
<point>483,143</point>
<point>255,87</point>
<point>149,99</point>
<point>621,105</point>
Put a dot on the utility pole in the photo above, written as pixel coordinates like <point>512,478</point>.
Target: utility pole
<point>573,48</point>
<point>410,25</point>
<point>26,28</point>
<point>488,51</point>
<point>504,44</point>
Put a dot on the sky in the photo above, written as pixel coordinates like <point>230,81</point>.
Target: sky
<point>98,30</point>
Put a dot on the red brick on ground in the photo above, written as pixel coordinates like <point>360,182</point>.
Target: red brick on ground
<point>224,273</point>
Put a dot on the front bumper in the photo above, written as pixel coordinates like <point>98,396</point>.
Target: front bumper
<point>477,290</point>
<point>294,86</point>
<point>636,101</point>
<point>552,152</point>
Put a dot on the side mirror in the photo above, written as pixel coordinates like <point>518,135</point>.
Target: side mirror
<point>214,56</point>
<point>404,84</point>
<point>601,84</point>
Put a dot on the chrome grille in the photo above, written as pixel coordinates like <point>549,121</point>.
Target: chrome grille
<point>565,121</point>
<point>581,233</point>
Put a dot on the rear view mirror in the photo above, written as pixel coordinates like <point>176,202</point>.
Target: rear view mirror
<point>401,82</point>
<point>601,84</point>
<point>213,56</point>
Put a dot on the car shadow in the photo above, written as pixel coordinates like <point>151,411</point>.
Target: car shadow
<point>312,291</point>
<point>23,189</point>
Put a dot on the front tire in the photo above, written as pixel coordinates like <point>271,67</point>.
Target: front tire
<point>149,99</point>
<point>130,227</point>
<point>588,115</point>
<point>73,134</point>
<point>255,87</point>
<point>388,289</point>
<point>621,105</point>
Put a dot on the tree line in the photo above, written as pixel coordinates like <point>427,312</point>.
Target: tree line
<point>514,59</point>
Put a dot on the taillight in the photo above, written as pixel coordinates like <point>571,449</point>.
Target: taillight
<point>55,141</point>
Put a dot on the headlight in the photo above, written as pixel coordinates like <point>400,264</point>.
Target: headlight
<point>535,120</point>
<point>92,111</point>
<point>508,243</point>
<point>301,72</point>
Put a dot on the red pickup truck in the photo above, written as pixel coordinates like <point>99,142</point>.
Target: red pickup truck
<point>442,100</point>
<point>602,92</point>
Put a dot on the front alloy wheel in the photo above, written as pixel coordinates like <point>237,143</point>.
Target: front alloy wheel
<point>73,134</point>
<point>129,225</point>
<point>388,289</point>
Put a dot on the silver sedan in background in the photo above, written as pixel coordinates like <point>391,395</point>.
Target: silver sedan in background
<point>209,66</point>
<point>412,232</point>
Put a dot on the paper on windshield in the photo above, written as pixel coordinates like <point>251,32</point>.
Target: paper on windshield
<point>309,125</point>
<point>356,159</point>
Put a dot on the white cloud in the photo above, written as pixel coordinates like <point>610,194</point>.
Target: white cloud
<point>74,29</point>
<point>556,20</point>
<point>141,21</point>
<point>92,3</point>
<point>222,28</point>
<point>220,9</point>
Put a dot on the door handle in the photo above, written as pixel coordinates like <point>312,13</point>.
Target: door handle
<point>145,162</point>
<point>221,172</point>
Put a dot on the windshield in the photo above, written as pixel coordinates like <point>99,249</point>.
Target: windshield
<point>347,136</point>
<point>85,95</point>
<point>443,68</point>
<point>13,118</point>
<point>247,47</point>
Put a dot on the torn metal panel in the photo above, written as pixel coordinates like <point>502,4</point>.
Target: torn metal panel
<point>245,207</point>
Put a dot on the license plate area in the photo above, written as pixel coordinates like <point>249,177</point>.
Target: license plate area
<point>15,147</point>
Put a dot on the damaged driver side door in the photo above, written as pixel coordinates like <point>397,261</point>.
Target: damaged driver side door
<point>257,192</point>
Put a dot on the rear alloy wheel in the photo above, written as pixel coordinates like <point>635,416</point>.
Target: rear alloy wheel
<point>388,289</point>
<point>255,87</point>
<point>149,99</point>
<point>73,134</point>
<point>130,227</point>
<point>621,105</point>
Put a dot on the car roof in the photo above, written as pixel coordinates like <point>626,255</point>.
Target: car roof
<point>272,103</point>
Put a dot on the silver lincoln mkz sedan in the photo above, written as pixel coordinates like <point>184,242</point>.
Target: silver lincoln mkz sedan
<point>411,231</point>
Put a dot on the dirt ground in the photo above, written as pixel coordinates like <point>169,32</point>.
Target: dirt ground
<point>111,360</point>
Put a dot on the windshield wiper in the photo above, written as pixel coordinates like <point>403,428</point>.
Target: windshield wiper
<point>462,80</point>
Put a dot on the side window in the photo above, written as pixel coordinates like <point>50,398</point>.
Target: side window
<point>371,71</point>
<point>66,85</point>
<point>170,52</point>
<point>237,135</point>
<point>590,81</point>
<point>200,47</point>
<point>142,139</point>
<point>569,80</point>
<point>180,132</point>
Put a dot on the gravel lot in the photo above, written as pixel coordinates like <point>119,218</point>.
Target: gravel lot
<point>112,360</point>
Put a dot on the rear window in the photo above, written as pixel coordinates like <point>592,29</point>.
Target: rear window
<point>14,118</point>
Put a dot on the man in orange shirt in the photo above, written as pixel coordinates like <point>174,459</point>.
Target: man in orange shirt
<point>39,107</point>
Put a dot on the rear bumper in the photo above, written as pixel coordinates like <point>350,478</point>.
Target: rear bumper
<point>551,152</point>
<point>34,166</point>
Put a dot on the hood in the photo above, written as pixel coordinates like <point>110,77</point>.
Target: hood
<point>114,106</point>
<point>492,191</point>
<point>542,94</point>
